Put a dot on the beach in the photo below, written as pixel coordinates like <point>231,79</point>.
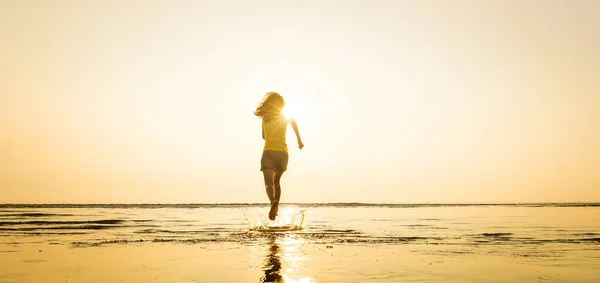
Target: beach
<point>336,243</point>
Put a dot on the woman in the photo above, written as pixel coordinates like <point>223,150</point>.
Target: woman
<point>275,156</point>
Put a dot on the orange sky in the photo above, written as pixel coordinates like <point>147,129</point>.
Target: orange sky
<point>397,101</point>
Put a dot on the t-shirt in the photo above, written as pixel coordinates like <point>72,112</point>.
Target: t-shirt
<point>274,128</point>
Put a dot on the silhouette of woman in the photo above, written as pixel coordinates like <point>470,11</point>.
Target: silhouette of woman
<point>275,156</point>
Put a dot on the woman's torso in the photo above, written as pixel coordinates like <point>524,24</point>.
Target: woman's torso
<point>274,130</point>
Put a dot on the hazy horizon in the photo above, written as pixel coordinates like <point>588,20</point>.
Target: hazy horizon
<point>312,203</point>
<point>397,101</point>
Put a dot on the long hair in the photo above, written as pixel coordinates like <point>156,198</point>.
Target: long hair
<point>272,103</point>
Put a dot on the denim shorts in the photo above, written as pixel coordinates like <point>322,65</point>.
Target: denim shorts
<point>272,159</point>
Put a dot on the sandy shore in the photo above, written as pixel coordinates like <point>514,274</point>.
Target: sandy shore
<point>283,259</point>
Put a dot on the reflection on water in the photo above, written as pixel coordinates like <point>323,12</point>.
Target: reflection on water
<point>272,265</point>
<point>286,249</point>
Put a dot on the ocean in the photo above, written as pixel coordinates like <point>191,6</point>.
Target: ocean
<point>336,242</point>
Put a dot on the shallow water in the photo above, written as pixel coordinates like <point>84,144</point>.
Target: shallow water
<point>496,225</point>
<point>544,235</point>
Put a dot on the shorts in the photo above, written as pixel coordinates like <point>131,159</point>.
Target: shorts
<point>272,159</point>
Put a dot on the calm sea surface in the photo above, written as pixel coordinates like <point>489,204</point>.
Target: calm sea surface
<point>526,226</point>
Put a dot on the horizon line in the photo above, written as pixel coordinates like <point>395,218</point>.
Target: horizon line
<point>305,203</point>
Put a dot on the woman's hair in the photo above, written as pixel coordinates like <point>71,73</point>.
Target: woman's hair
<point>272,103</point>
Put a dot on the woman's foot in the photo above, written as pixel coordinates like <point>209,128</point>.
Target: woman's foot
<point>273,211</point>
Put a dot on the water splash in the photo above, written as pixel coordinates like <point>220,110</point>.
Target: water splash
<point>286,221</point>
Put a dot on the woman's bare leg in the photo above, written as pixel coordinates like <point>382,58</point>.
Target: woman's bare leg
<point>277,185</point>
<point>271,192</point>
<point>269,186</point>
<point>276,195</point>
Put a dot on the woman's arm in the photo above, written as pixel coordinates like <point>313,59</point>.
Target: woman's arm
<point>263,131</point>
<point>295,127</point>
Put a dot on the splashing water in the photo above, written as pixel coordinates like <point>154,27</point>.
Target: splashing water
<point>287,220</point>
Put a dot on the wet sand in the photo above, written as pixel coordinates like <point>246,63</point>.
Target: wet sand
<point>284,260</point>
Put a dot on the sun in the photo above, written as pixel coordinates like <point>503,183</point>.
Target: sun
<point>294,109</point>
<point>289,112</point>
<point>297,101</point>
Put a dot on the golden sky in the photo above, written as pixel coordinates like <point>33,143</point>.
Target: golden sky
<point>397,101</point>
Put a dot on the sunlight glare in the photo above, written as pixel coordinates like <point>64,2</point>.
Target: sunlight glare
<point>289,112</point>
<point>295,105</point>
<point>301,280</point>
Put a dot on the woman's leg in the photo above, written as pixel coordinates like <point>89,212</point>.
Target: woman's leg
<point>269,186</point>
<point>276,195</point>
<point>277,185</point>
